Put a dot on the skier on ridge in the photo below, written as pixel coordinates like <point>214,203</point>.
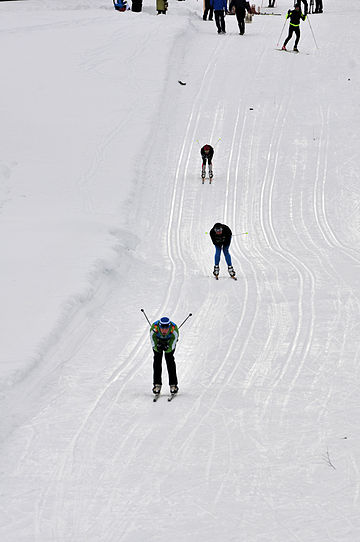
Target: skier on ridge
<point>221,237</point>
<point>295,17</point>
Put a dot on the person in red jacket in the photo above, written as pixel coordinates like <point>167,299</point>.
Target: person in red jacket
<point>207,153</point>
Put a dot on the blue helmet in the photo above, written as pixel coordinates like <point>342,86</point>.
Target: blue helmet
<point>164,322</point>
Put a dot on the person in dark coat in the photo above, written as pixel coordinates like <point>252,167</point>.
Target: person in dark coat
<point>240,7</point>
<point>220,8</point>
<point>318,6</point>
<point>208,9</point>
<point>221,237</point>
<point>207,153</point>
<point>295,16</point>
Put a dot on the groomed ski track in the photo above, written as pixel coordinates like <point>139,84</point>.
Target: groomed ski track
<point>253,448</point>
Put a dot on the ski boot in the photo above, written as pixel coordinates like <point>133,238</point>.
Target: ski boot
<point>210,173</point>
<point>216,271</point>
<point>283,48</point>
<point>231,271</point>
<point>203,172</point>
<point>156,389</point>
<point>296,50</point>
<point>173,389</point>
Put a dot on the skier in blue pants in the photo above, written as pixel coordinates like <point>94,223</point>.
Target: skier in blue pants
<point>221,237</point>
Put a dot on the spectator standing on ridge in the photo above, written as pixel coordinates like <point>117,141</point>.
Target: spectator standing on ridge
<point>161,6</point>
<point>318,6</point>
<point>220,8</point>
<point>120,5</point>
<point>208,9</point>
<point>240,7</point>
<point>295,16</point>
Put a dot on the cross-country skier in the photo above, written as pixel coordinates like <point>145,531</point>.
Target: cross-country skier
<point>163,336</point>
<point>239,7</point>
<point>221,237</point>
<point>207,153</point>
<point>295,16</point>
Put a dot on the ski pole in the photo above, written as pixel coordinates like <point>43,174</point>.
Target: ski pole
<point>217,142</point>
<point>144,313</point>
<point>277,45</point>
<point>188,316</point>
<point>312,32</point>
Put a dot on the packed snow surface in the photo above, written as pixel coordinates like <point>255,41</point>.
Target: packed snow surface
<point>103,213</point>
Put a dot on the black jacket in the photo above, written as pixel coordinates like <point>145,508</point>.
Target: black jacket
<point>240,4</point>
<point>295,16</point>
<point>222,239</point>
<point>209,155</point>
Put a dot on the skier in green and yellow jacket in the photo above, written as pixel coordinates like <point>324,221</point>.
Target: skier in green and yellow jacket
<point>163,336</point>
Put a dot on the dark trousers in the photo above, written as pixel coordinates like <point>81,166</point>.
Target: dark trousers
<point>293,29</point>
<point>271,3</point>
<point>171,367</point>
<point>204,160</point>
<point>208,9</point>
<point>240,15</point>
<point>220,20</point>
<point>318,6</point>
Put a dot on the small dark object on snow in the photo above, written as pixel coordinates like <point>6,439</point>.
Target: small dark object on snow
<point>181,83</point>
<point>251,109</point>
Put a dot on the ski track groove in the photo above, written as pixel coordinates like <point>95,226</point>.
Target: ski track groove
<point>302,270</point>
<point>174,218</point>
<point>108,398</point>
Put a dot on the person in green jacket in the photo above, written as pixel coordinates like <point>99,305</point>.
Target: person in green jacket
<point>163,336</point>
<point>161,6</point>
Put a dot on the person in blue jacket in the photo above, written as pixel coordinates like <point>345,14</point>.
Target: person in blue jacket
<point>120,5</point>
<point>220,8</point>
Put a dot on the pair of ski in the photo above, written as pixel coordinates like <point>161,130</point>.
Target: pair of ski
<point>217,277</point>
<point>288,51</point>
<point>170,397</point>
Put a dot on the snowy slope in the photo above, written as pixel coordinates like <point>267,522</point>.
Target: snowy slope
<point>103,212</point>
